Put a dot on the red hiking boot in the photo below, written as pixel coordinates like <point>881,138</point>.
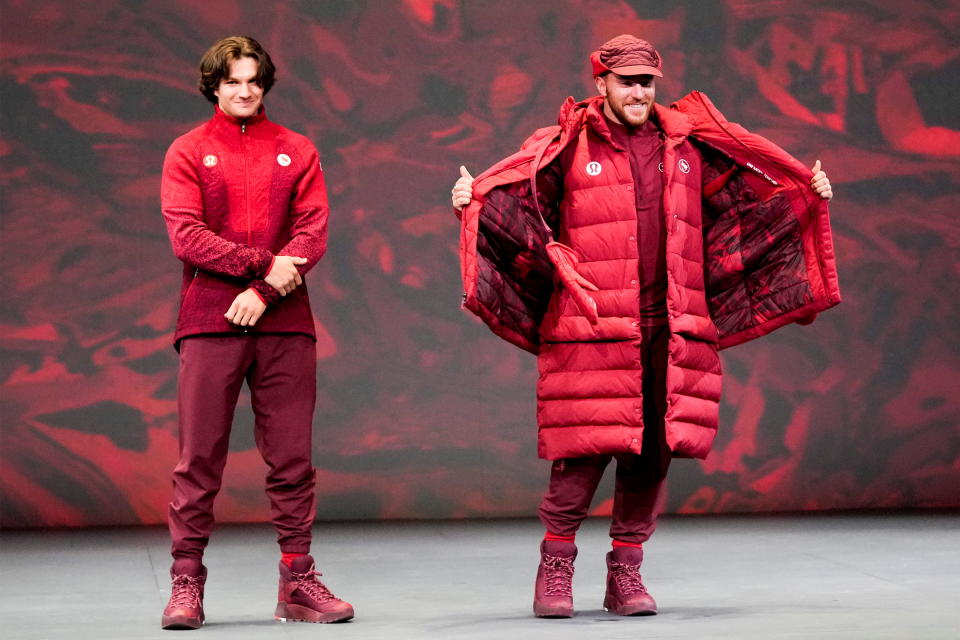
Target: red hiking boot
<point>626,595</point>
<point>553,590</point>
<point>185,608</point>
<point>303,598</point>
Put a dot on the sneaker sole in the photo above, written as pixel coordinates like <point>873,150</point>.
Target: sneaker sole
<point>623,610</point>
<point>180,622</point>
<point>295,613</point>
<point>553,612</point>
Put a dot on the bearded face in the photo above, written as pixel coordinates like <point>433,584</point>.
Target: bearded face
<point>628,99</point>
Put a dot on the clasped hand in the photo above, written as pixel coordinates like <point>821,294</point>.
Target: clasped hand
<point>283,276</point>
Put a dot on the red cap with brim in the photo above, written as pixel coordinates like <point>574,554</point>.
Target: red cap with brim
<point>627,55</point>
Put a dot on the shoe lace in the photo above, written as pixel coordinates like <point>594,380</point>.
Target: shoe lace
<point>558,576</point>
<point>627,577</point>
<point>312,586</point>
<point>185,591</point>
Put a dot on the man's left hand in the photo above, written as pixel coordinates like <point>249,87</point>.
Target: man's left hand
<point>820,182</point>
<point>246,309</point>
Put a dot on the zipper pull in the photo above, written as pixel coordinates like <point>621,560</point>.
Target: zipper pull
<point>243,127</point>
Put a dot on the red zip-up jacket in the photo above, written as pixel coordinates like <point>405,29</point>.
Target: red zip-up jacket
<point>234,195</point>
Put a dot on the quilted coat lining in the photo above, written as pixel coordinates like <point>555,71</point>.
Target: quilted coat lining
<point>737,218</point>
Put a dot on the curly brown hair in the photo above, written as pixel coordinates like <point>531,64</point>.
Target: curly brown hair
<point>215,64</point>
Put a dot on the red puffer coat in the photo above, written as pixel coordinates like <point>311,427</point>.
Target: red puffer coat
<point>748,248</point>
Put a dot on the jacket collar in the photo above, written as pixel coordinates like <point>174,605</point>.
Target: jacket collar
<point>223,119</point>
<point>595,120</point>
<point>675,124</point>
<point>575,115</point>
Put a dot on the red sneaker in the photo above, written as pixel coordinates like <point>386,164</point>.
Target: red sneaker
<point>303,598</point>
<point>185,608</point>
<point>553,590</point>
<point>626,595</point>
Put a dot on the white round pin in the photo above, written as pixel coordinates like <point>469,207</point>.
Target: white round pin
<point>594,168</point>
<point>283,160</point>
<point>210,160</point>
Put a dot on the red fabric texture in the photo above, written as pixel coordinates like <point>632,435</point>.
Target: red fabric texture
<point>281,373</point>
<point>234,195</point>
<point>756,254</point>
<point>627,55</point>
<point>565,261</point>
<point>644,145</point>
<point>769,261</point>
<point>639,490</point>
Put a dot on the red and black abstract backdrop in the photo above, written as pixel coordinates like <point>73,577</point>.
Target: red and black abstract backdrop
<point>422,412</point>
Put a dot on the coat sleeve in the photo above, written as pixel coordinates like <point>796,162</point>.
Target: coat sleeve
<point>308,232</point>
<point>507,276</point>
<point>181,202</point>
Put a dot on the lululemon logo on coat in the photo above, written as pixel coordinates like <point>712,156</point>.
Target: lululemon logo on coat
<point>594,168</point>
<point>210,161</point>
<point>660,167</point>
<point>684,165</point>
<point>283,160</point>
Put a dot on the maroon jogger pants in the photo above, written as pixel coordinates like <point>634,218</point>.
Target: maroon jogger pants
<point>280,370</point>
<point>640,479</point>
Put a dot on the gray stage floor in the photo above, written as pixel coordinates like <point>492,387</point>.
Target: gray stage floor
<point>833,576</point>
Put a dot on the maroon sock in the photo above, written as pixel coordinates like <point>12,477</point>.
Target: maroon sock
<point>288,558</point>
<point>553,537</point>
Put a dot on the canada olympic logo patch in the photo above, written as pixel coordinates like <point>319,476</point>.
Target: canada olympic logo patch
<point>210,161</point>
<point>283,160</point>
<point>594,168</point>
<point>684,165</point>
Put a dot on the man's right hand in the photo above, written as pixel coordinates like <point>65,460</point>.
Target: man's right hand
<point>463,189</point>
<point>283,275</point>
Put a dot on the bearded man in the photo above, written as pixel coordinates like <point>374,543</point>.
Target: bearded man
<point>625,246</point>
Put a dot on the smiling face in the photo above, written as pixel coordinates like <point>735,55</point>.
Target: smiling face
<point>239,94</point>
<point>628,99</point>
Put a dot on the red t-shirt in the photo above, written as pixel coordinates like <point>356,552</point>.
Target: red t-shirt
<point>645,147</point>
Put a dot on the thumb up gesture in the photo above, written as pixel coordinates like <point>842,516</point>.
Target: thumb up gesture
<point>463,189</point>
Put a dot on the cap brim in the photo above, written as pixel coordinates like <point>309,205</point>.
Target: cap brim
<point>637,70</point>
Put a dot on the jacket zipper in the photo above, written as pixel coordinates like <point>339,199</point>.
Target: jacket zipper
<point>196,272</point>
<point>246,182</point>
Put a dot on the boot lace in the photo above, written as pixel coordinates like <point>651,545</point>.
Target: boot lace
<point>558,576</point>
<point>312,586</point>
<point>185,592</point>
<point>627,577</point>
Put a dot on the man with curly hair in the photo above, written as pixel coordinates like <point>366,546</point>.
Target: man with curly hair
<point>245,205</point>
